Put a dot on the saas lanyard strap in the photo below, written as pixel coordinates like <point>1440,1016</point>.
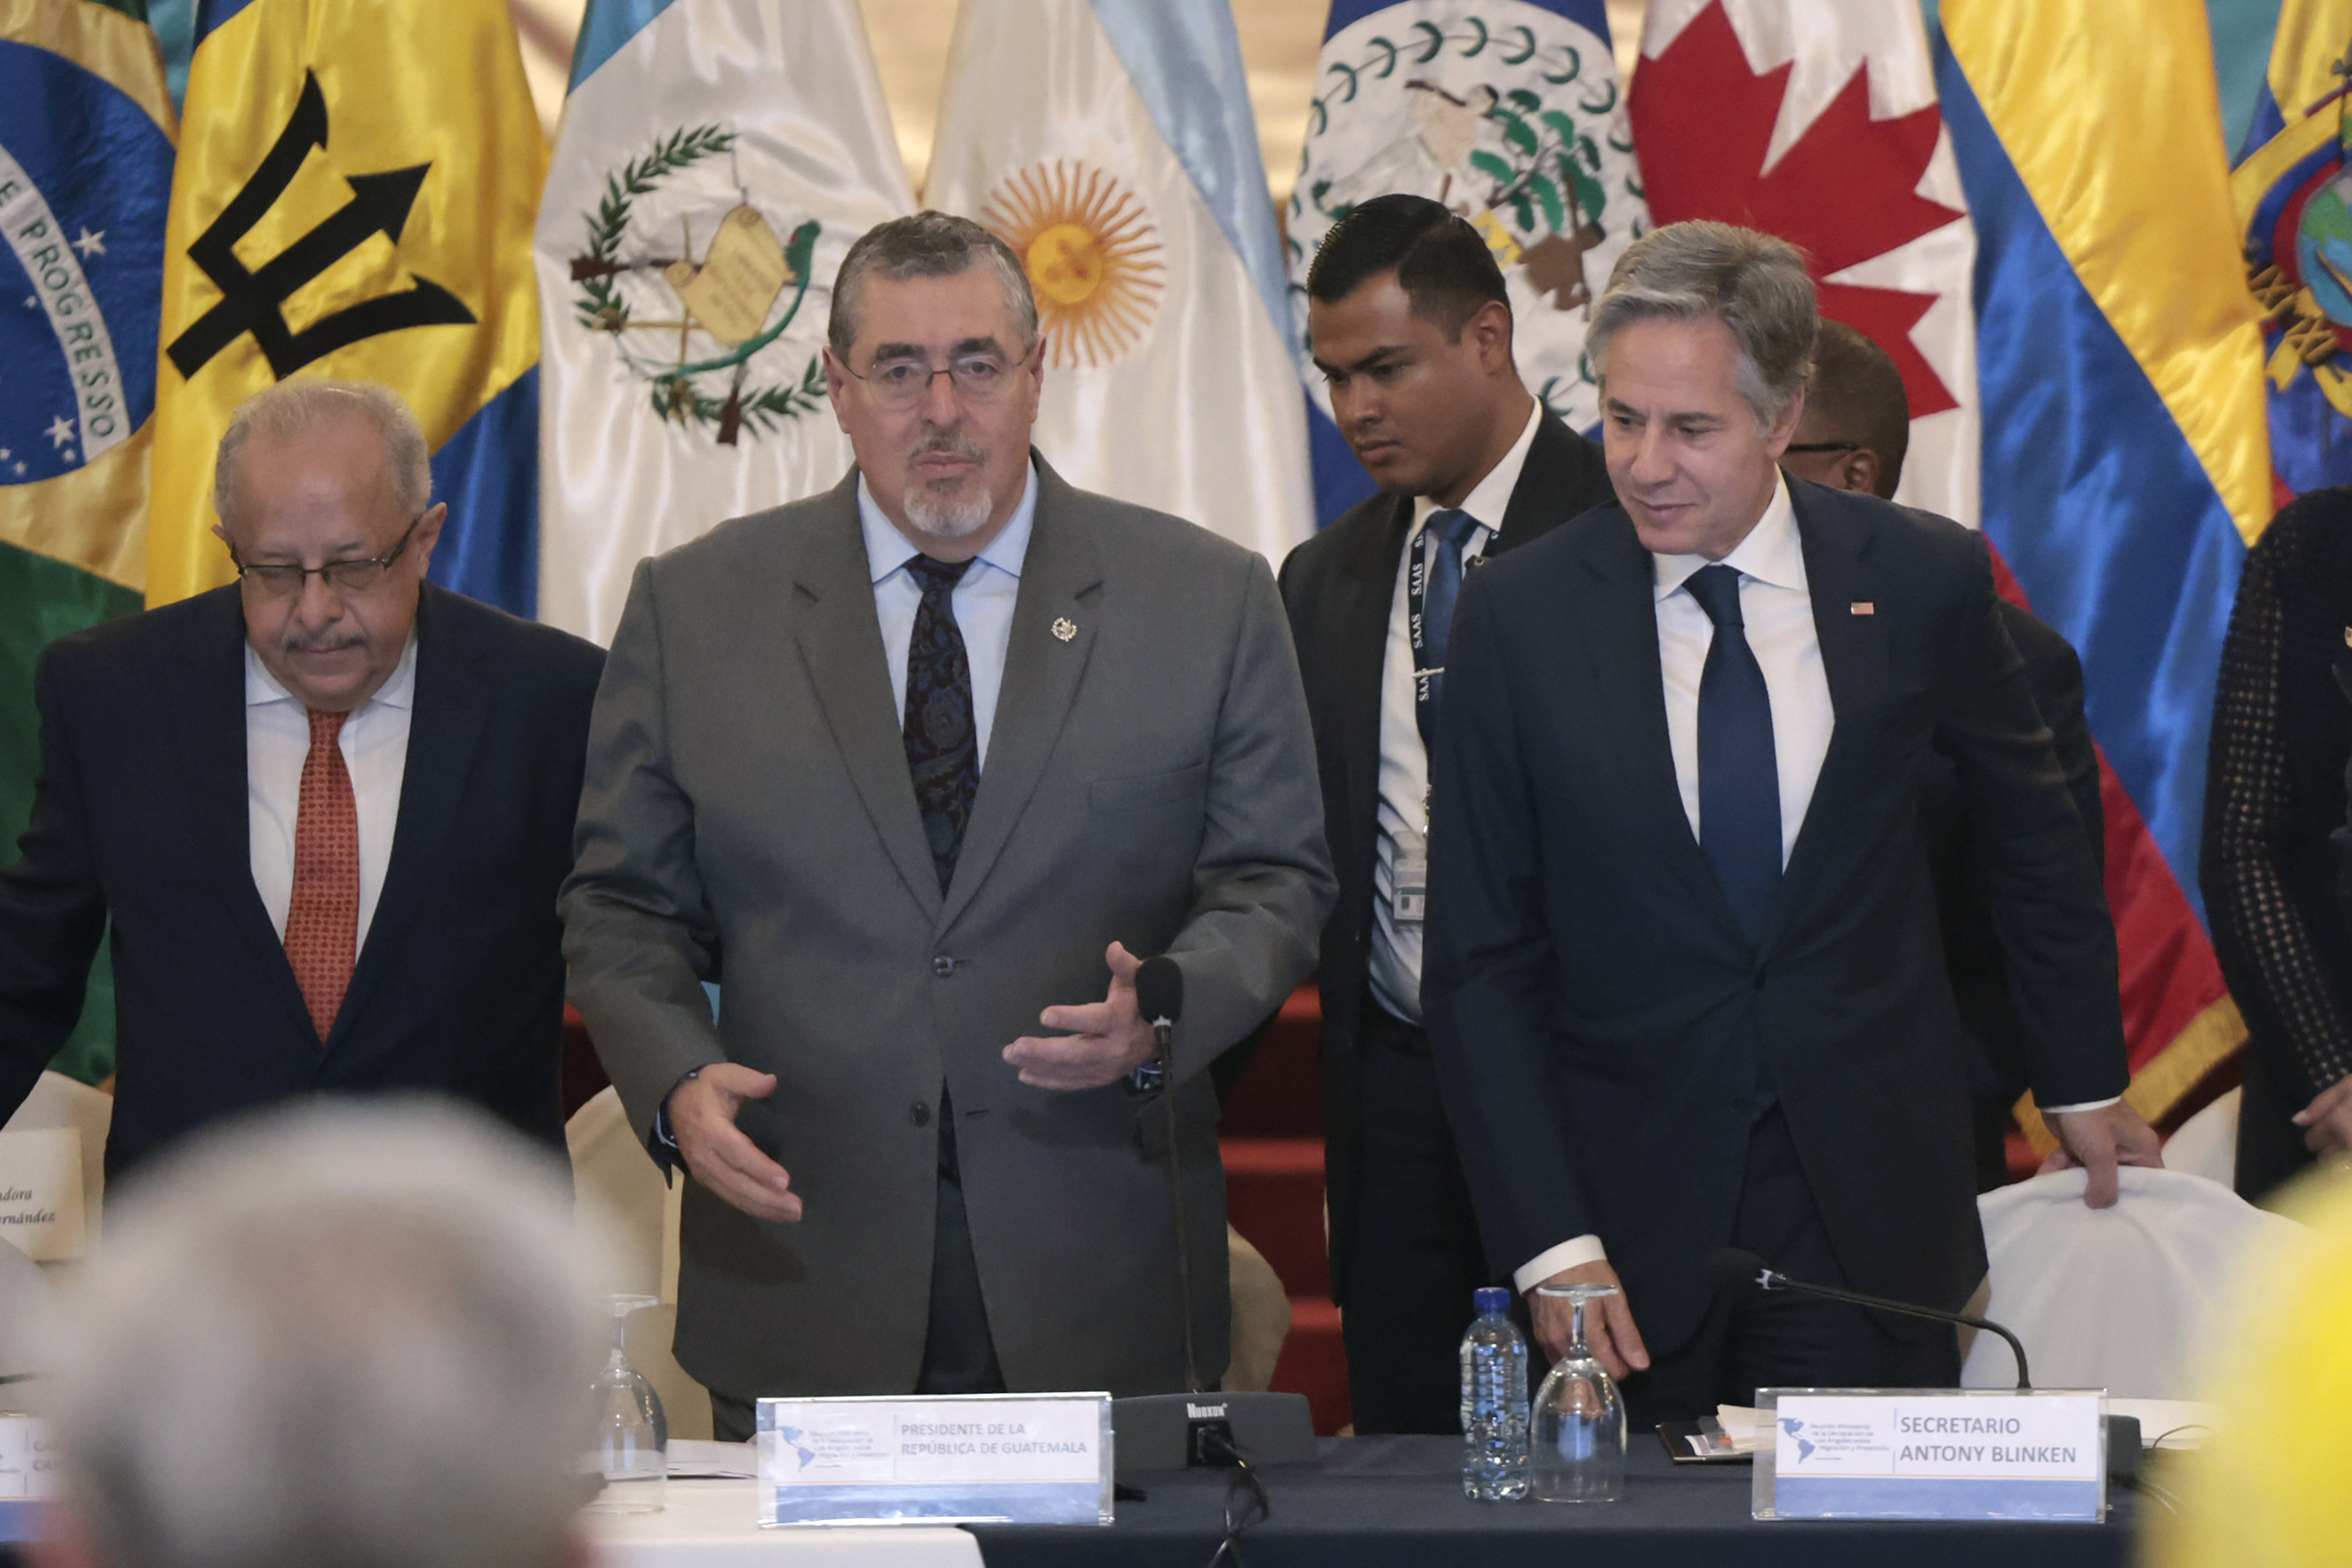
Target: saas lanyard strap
<point>1432,587</point>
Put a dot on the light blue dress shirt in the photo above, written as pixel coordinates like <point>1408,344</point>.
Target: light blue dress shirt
<point>983,602</point>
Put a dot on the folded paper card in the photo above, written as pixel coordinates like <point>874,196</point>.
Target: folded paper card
<point>1015,1459</point>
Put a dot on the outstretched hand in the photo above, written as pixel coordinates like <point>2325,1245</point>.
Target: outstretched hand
<point>1108,1039</point>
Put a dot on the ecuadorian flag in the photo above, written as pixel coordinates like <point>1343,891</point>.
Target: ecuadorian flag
<point>85,154</point>
<point>357,186</point>
<point>2126,464</point>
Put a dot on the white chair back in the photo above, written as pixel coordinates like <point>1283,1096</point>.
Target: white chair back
<point>621,1191</point>
<point>2207,1143</point>
<point>2113,1297</point>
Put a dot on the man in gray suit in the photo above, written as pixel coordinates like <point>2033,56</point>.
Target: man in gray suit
<point>904,766</point>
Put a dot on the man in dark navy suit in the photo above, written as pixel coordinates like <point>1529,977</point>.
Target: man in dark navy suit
<point>1682,976</point>
<point>1853,437</point>
<point>1412,332</point>
<point>326,809</point>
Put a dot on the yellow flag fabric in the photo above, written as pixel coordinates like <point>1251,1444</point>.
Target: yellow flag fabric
<point>355,197</point>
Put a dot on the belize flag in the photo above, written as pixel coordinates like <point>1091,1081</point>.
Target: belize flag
<point>1508,112</point>
<point>2126,462</point>
<point>85,155</point>
<point>1111,144</point>
<point>354,198</point>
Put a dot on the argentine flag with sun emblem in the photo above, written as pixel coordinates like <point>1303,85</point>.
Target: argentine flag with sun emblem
<point>1510,113</point>
<point>1121,164</point>
<point>86,157</point>
<point>716,161</point>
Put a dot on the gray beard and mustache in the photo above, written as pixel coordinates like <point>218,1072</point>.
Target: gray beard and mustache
<point>956,512</point>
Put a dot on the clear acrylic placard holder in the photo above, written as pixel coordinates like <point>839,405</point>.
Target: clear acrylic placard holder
<point>969,1458</point>
<point>2027,1454</point>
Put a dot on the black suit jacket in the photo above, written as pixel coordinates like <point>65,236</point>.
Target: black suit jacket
<point>140,817</point>
<point>1338,589</point>
<point>1590,994</point>
<point>1964,900</point>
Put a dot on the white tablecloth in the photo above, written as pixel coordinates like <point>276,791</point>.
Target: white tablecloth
<point>715,1524</point>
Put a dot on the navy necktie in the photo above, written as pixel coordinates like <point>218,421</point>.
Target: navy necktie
<point>943,748</point>
<point>1740,827</point>
<point>1447,527</point>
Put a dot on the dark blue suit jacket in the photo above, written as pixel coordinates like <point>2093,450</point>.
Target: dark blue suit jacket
<point>1591,995</point>
<point>141,815</point>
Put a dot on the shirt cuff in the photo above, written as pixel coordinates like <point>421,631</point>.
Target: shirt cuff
<point>1571,1253</point>
<point>2087,1105</point>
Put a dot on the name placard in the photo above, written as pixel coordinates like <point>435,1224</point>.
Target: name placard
<point>28,1458</point>
<point>1011,1459</point>
<point>40,1192</point>
<point>1932,1454</point>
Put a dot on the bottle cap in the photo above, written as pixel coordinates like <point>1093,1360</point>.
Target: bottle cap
<point>1491,1299</point>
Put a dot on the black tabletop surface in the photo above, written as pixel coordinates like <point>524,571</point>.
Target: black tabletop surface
<point>1373,1502</point>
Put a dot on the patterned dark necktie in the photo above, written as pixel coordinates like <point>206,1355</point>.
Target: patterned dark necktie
<point>1447,527</point>
<point>1740,825</point>
<point>943,749</point>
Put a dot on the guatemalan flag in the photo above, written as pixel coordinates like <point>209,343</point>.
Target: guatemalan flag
<point>716,160</point>
<point>354,198</point>
<point>1111,144</point>
<point>1510,113</point>
<point>2126,462</point>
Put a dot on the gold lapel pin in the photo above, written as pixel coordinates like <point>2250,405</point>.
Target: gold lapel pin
<point>1863,606</point>
<point>1064,628</point>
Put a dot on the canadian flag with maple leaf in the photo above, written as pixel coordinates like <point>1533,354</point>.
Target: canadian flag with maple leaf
<point>1817,120</point>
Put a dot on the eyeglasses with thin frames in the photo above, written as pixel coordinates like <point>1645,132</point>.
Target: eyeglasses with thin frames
<point>1823,446</point>
<point>286,580</point>
<point>901,384</point>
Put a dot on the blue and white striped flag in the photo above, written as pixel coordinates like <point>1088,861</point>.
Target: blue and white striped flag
<point>1122,165</point>
<point>1508,112</point>
<point>716,160</point>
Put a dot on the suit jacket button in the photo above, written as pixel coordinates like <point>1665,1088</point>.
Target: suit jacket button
<point>919,1115</point>
<point>942,966</point>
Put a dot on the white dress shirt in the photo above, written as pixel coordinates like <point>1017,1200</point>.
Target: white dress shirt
<point>375,746</point>
<point>1776,606</point>
<point>983,601</point>
<point>1403,815</point>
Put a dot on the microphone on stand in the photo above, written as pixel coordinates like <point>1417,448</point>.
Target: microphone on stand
<point>1196,1428</point>
<point>1160,999</point>
<point>1734,1270</point>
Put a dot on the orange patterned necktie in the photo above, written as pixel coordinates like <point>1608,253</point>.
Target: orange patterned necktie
<point>322,918</point>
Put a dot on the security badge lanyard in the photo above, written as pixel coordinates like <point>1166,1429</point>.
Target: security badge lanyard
<point>1409,869</point>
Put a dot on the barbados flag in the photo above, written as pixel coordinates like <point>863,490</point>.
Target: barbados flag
<point>2125,458</point>
<point>357,185</point>
<point>1506,111</point>
<point>85,154</point>
<point>2293,190</point>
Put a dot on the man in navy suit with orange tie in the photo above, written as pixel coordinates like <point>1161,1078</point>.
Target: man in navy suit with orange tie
<point>325,809</point>
<point>1682,978</point>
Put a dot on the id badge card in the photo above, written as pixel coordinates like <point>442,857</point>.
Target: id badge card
<point>1409,878</point>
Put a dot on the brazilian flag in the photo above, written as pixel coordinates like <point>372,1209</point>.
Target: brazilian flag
<point>86,162</point>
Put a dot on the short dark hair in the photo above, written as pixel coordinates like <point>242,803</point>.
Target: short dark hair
<point>927,244</point>
<point>1857,395</point>
<point>1442,262</point>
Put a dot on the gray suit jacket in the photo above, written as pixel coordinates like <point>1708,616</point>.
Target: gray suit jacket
<point>748,819</point>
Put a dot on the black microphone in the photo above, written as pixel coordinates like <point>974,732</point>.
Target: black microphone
<point>1160,999</point>
<point>1735,1269</point>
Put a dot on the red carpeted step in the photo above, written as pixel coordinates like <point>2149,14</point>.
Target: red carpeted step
<point>1315,1364</point>
<point>1274,1196</point>
<point>1280,1092</point>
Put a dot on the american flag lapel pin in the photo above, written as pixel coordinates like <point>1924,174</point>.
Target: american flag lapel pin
<point>1863,606</point>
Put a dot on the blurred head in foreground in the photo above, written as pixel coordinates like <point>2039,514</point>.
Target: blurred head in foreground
<point>338,1338</point>
<point>2267,1486</point>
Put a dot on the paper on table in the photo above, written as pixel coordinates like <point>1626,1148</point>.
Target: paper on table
<point>695,1458</point>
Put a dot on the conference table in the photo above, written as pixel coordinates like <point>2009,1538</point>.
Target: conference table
<point>1373,1503</point>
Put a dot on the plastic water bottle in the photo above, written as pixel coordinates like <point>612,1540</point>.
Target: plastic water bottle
<point>1493,1402</point>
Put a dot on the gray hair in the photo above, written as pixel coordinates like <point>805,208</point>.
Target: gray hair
<point>927,245</point>
<point>343,1336</point>
<point>1752,283</point>
<point>296,407</point>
